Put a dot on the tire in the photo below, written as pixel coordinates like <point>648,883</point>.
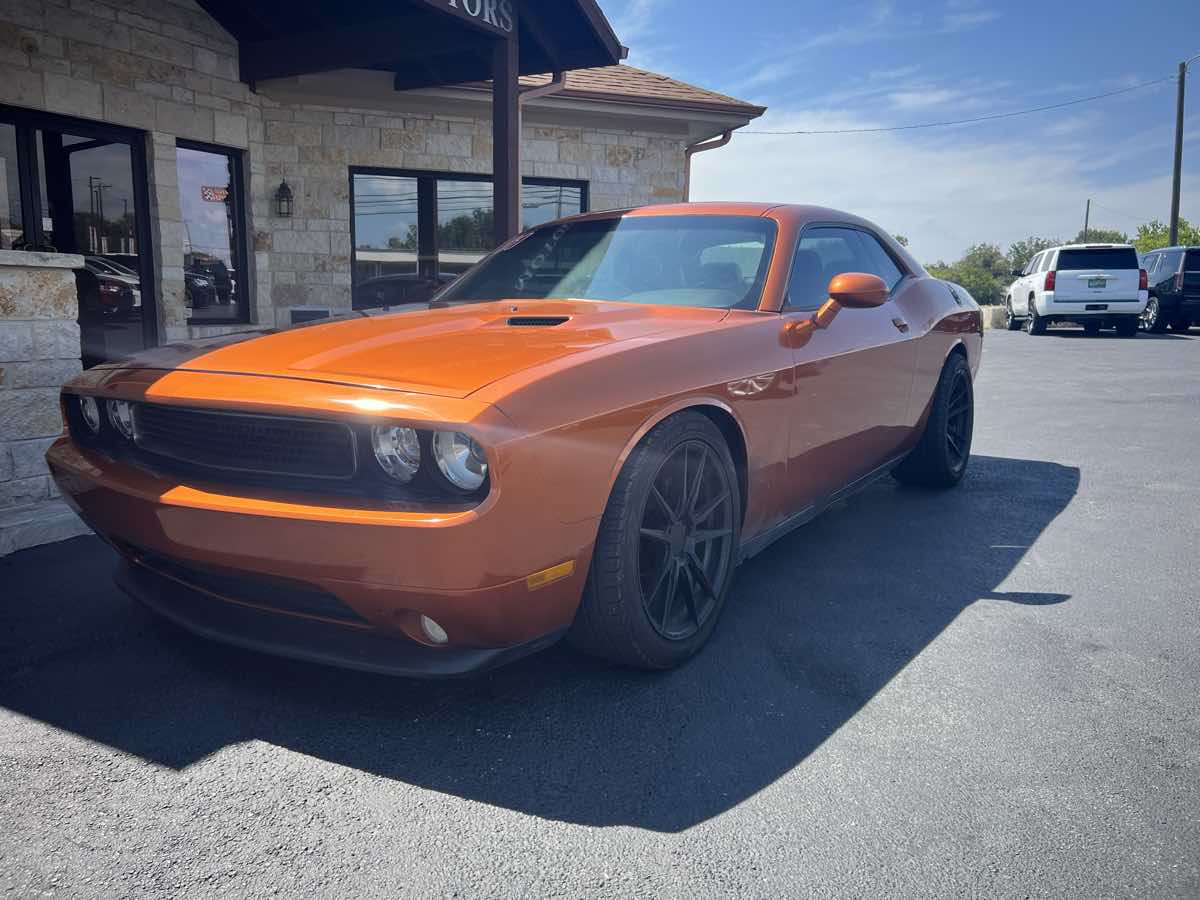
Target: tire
<point>1034,324</point>
<point>1180,325</point>
<point>1152,319</point>
<point>1127,326</point>
<point>939,460</point>
<point>653,595</point>
<point>1011,322</point>
<point>1091,329</point>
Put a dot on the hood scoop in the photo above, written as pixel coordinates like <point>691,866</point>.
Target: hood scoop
<point>537,321</point>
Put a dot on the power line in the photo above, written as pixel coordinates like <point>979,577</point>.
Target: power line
<point>988,118</point>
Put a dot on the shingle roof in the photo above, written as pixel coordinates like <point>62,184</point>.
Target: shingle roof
<point>627,84</point>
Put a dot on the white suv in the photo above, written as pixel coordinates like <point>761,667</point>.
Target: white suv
<point>1094,285</point>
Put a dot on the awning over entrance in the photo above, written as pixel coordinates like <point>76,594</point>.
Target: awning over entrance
<point>426,43</point>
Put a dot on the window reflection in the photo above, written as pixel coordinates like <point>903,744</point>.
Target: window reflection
<point>11,233</point>
<point>415,233</point>
<point>213,275</point>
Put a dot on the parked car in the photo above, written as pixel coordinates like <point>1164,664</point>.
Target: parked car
<point>214,269</point>
<point>609,414</point>
<point>1093,285</point>
<point>397,289</point>
<point>117,291</point>
<point>199,292</point>
<point>1173,276</point>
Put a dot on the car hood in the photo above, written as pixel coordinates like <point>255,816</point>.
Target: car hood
<point>449,352</point>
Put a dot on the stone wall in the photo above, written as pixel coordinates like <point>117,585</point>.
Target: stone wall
<point>167,68</point>
<point>39,350</point>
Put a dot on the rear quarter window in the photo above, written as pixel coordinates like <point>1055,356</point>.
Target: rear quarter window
<point>1098,258</point>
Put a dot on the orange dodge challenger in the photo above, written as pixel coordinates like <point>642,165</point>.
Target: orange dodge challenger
<point>583,436</point>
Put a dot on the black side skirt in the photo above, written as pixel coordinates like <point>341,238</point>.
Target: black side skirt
<point>761,542</point>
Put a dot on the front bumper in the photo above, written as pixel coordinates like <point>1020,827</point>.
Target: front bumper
<point>469,571</point>
<point>305,639</point>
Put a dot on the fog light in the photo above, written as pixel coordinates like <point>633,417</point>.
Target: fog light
<point>120,413</point>
<point>89,409</point>
<point>432,630</point>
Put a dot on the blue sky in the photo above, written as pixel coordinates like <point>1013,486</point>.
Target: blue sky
<point>871,63</point>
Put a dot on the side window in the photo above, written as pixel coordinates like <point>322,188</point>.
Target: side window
<point>822,253</point>
<point>1032,265</point>
<point>1170,263</point>
<point>881,263</point>
<point>1149,264</point>
<point>1046,257</point>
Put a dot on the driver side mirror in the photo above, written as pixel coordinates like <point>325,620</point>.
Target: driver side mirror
<point>857,290</point>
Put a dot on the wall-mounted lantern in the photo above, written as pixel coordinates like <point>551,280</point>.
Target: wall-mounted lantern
<point>283,200</point>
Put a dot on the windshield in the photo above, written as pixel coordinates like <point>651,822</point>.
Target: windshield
<point>711,261</point>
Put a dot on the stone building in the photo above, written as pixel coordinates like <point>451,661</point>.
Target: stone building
<point>172,169</point>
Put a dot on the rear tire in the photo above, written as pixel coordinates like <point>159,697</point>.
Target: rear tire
<point>1180,325</point>
<point>940,458</point>
<point>666,549</point>
<point>1127,326</point>
<point>1034,324</point>
<point>1011,322</point>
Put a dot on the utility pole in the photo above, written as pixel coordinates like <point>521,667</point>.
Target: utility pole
<point>1178,170</point>
<point>1087,214</point>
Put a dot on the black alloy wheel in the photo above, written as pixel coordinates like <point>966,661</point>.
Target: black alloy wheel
<point>960,419</point>
<point>666,549</point>
<point>686,541</point>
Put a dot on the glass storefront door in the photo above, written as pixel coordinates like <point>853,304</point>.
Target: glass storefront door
<point>83,190</point>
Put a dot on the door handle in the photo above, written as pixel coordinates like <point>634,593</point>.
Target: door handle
<point>900,324</point>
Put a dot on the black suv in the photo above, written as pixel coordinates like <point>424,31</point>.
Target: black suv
<point>1173,277</point>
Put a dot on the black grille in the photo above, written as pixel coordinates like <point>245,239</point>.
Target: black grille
<point>236,442</point>
<point>282,594</point>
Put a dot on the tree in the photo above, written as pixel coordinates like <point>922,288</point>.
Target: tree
<point>1101,236</point>
<point>983,270</point>
<point>900,239</point>
<point>1156,234</point>
<point>1021,252</point>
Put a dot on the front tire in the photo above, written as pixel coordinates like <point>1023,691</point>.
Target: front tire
<point>1152,319</point>
<point>666,549</point>
<point>940,458</point>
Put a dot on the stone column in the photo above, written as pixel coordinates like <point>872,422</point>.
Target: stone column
<point>39,350</point>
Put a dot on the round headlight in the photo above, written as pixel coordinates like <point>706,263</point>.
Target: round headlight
<point>89,409</point>
<point>460,458</point>
<point>120,413</point>
<point>397,451</point>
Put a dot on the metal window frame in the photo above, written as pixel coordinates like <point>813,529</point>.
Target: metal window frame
<point>240,246</point>
<point>427,180</point>
<point>27,122</point>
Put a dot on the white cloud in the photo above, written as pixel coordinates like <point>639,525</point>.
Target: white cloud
<point>961,21</point>
<point>945,190</point>
<point>924,98</point>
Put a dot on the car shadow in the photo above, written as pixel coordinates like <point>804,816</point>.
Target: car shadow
<point>817,625</point>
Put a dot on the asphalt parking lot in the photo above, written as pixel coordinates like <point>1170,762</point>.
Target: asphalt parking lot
<point>991,691</point>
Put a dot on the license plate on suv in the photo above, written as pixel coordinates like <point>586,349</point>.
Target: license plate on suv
<point>1097,282</point>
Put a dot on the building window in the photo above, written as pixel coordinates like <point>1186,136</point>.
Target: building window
<point>214,253</point>
<point>11,231</point>
<point>414,232</point>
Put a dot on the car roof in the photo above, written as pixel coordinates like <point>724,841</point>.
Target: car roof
<point>795,212</point>
<point>1094,247</point>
